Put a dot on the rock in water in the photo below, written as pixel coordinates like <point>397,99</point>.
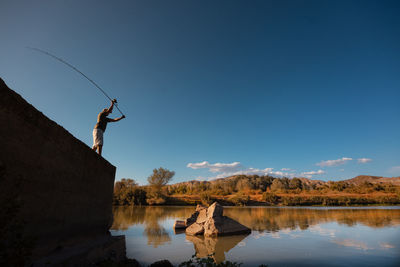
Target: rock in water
<point>195,229</point>
<point>223,225</point>
<point>202,218</point>
<point>211,222</point>
<point>200,207</point>
<point>215,210</point>
<point>179,225</point>
<point>194,216</point>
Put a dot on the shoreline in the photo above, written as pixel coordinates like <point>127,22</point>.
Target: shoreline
<point>283,200</point>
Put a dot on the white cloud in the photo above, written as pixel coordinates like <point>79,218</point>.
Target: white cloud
<point>311,173</point>
<point>278,173</point>
<point>322,231</point>
<point>333,162</point>
<point>282,174</point>
<point>275,235</point>
<point>199,165</point>
<point>223,170</point>
<point>248,171</point>
<point>216,167</point>
<point>254,171</point>
<point>364,160</point>
<point>385,245</point>
<point>352,243</point>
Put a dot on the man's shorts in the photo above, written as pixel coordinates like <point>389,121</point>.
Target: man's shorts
<point>97,137</point>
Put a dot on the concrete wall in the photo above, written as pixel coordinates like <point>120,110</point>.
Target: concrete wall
<point>65,188</point>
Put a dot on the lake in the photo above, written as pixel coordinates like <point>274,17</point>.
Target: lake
<point>281,236</point>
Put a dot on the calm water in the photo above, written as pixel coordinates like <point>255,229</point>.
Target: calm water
<point>280,236</point>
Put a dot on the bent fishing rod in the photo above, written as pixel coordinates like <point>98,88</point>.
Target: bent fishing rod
<point>80,72</point>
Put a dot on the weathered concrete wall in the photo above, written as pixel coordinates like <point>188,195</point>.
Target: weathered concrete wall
<point>65,188</point>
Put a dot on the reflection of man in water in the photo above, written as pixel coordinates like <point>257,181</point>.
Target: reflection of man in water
<point>101,126</point>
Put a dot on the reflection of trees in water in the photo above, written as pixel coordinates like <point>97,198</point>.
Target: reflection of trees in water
<point>156,234</point>
<point>151,217</point>
<point>124,217</point>
<point>215,246</point>
<point>257,218</point>
<point>274,219</point>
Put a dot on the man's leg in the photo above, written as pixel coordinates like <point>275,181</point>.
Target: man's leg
<point>94,147</point>
<point>100,147</point>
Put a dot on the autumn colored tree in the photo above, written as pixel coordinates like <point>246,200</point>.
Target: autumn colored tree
<point>295,183</point>
<point>127,192</point>
<point>160,177</point>
<point>157,180</point>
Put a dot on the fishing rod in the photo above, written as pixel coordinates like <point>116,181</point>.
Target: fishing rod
<point>80,72</point>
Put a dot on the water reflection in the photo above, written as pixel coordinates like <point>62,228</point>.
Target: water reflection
<point>352,243</point>
<point>151,217</point>
<point>156,234</point>
<point>216,246</point>
<point>261,218</point>
<point>124,217</point>
<point>276,219</point>
<point>312,235</point>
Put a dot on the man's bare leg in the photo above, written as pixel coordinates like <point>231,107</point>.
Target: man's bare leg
<point>94,147</point>
<point>100,148</point>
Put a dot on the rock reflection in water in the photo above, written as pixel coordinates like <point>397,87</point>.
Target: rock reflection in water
<point>215,246</point>
<point>261,218</point>
<point>257,218</point>
<point>281,236</point>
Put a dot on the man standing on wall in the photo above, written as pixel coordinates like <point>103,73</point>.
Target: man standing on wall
<point>101,126</point>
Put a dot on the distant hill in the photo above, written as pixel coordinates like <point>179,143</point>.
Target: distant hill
<point>358,180</point>
<point>310,182</point>
<point>373,179</point>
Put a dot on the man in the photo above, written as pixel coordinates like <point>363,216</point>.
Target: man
<point>101,126</point>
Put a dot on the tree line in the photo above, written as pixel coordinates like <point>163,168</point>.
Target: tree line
<point>128,192</point>
<point>241,189</point>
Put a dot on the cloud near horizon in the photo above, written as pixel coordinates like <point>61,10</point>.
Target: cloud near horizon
<point>311,173</point>
<point>364,160</point>
<point>236,168</point>
<point>216,167</point>
<point>333,162</point>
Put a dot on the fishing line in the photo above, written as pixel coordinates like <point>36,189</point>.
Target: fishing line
<point>80,72</point>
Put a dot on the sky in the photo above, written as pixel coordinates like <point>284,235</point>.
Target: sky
<point>216,88</point>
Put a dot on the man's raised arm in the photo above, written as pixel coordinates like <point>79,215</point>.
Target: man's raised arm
<point>110,109</point>
<point>117,119</point>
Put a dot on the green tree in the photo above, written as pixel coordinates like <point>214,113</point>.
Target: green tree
<point>295,183</point>
<point>160,177</point>
<point>157,180</point>
<point>278,184</point>
<point>127,192</point>
<point>243,184</point>
<point>240,199</point>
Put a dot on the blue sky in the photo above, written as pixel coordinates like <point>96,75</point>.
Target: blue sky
<point>213,88</point>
